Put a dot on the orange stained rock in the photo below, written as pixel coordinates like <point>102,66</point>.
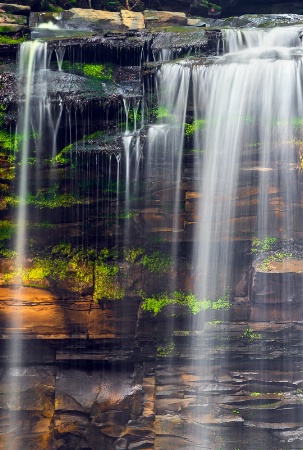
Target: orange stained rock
<point>285,266</point>
<point>25,293</point>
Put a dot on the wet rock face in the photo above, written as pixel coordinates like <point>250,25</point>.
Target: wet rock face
<point>101,373</point>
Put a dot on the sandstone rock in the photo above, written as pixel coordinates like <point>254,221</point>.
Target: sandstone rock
<point>193,22</point>
<point>87,19</point>
<point>156,18</point>
<point>132,20</point>
<point>102,21</point>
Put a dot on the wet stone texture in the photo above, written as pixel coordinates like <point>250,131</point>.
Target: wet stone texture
<point>109,375</point>
<point>220,380</point>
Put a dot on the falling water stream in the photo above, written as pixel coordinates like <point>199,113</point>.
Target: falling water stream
<point>250,98</point>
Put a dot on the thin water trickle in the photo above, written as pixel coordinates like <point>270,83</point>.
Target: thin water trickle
<point>32,82</point>
<point>60,52</point>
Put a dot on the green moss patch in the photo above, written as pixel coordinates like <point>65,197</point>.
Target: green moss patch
<point>156,303</point>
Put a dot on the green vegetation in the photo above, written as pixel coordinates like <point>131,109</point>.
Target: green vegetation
<point>249,335</point>
<point>7,230</point>
<point>166,350</point>
<point>63,157</point>
<point>267,263</point>
<point>263,245</point>
<point>47,198</point>
<point>212,7</point>
<point>191,128</point>
<point>7,141</point>
<point>255,394</point>
<point>106,286</point>
<point>101,72</point>
<point>71,269</point>
<point>157,262</point>
<point>181,333</point>
<point>8,40</point>
<point>134,115</point>
<point>51,199</point>
<point>160,114</point>
<point>156,303</point>
<point>133,254</point>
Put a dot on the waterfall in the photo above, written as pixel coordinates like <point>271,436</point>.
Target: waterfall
<point>33,84</point>
<point>33,56</point>
<point>250,102</point>
<point>166,138</point>
<point>247,99</point>
<point>243,158</point>
<point>235,40</point>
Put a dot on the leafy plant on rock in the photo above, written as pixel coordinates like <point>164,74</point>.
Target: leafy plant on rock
<point>157,262</point>
<point>157,302</point>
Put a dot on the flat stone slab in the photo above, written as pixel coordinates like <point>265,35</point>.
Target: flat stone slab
<point>102,21</point>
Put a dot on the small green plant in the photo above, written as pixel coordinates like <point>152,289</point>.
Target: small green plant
<point>267,264</point>
<point>181,333</point>
<point>7,230</point>
<point>157,262</point>
<point>8,40</point>
<point>263,245</point>
<point>255,394</point>
<point>133,254</point>
<point>101,72</point>
<point>161,114</point>
<point>191,128</point>
<point>156,303</point>
<point>166,350</point>
<point>77,270</point>
<point>106,283</point>
<point>250,335</point>
<point>134,116</point>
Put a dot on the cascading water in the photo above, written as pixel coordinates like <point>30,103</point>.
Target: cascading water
<point>246,108</point>
<point>32,99</point>
<point>37,129</point>
<point>250,101</point>
<point>236,40</point>
<point>250,98</point>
